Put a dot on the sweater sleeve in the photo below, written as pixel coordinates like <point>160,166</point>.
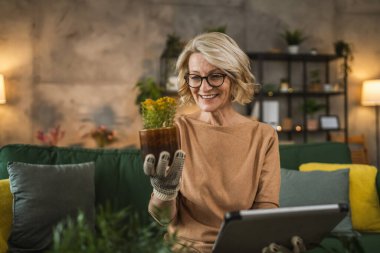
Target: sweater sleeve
<point>269,182</point>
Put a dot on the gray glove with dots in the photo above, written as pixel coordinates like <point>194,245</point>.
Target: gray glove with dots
<point>164,178</point>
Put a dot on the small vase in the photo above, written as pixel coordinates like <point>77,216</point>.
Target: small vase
<point>312,124</point>
<point>293,49</point>
<point>154,141</point>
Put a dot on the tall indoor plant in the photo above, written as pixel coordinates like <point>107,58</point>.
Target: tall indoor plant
<point>159,133</point>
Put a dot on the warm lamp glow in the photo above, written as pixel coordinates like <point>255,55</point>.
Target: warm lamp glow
<point>2,90</point>
<point>371,92</point>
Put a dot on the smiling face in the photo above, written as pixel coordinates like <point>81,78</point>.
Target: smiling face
<point>209,99</point>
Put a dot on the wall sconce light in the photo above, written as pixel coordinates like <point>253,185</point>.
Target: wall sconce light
<point>371,97</point>
<point>2,90</point>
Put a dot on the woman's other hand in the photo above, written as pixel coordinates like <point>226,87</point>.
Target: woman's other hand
<point>297,243</point>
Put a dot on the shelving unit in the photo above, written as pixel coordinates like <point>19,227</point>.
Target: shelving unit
<point>300,64</point>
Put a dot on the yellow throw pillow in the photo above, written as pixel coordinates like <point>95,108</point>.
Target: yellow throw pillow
<point>364,201</point>
<point>6,199</point>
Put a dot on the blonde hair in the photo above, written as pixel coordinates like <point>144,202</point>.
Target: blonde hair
<point>223,52</point>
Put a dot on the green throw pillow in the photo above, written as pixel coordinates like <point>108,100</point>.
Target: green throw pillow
<point>316,188</point>
<point>43,196</point>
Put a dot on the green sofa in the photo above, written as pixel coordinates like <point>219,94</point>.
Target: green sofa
<point>119,178</point>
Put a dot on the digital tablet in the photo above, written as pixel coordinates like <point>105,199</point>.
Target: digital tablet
<point>249,231</point>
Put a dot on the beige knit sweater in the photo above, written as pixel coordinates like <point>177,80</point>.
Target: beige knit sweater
<point>226,169</point>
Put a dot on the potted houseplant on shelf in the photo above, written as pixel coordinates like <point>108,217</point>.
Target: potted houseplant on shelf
<point>159,133</point>
<point>311,107</point>
<point>344,49</point>
<point>293,39</point>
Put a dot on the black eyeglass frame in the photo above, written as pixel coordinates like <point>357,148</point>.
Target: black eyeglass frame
<point>186,77</point>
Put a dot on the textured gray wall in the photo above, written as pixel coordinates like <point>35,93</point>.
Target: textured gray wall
<point>75,62</point>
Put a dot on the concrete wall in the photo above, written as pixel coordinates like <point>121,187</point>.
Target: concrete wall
<point>74,63</point>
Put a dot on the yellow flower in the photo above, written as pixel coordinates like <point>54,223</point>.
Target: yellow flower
<point>159,113</point>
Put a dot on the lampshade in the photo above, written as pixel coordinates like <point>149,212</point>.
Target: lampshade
<point>371,92</point>
<point>2,90</point>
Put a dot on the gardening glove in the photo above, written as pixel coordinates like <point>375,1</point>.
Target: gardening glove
<point>165,178</point>
<point>297,243</point>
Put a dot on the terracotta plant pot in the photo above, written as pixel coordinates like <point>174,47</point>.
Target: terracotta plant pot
<point>154,141</point>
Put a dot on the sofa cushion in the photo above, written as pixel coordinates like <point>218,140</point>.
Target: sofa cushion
<point>316,188</point>
<point>44,195</point>
<point>365,208</point>
<point>5,213</point>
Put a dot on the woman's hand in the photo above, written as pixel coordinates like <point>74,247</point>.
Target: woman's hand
<point>165,178</point>
<point>297,242</point>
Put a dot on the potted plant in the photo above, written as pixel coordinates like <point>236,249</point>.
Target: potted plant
<point>148,88</point>
<point>344,49</point>
<point>159,133</point>
<point>311,107</point>
<point>102,136</point>
<point>293,39</point>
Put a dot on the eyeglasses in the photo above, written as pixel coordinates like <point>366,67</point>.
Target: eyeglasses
<point>214,80</point>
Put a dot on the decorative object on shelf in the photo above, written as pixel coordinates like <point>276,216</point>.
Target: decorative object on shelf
<point>293,38</point>
<point>159,133</point>
<point>371,97</point>
<point>270,88</point>
<point>102,136</point>
<point>284,85</point>
<point>3,99</point>
<point>287,124</point>
<point>168,60</point>
<point>329,122</point>
<point>313,51</point>
<point>315,81</point>
<point>271,112</point>
<point>148,88</point>
<point>51,137</point>
<point>311,107</point>
<point>327,87</point>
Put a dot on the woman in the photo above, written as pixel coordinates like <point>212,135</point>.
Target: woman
<point>232,162</point>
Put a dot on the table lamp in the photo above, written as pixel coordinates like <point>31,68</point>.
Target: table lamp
<point>371,97</point>
<point>2,90</point>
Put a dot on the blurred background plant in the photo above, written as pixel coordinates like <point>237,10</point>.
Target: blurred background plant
<point>159,113</point>
<point>147,88</point>
<point>102,136</point>
<point>115,231</point>
<point>51,137</point>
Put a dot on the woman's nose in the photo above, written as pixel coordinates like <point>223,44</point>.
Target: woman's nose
<point>205,86</point>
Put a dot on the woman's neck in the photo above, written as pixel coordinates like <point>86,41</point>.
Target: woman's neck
<point>226,117</point>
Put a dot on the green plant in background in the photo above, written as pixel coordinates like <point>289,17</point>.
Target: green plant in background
<point>148,88</point>
<point>221,29</point>
<point>293,37</point>
<point>159,113</point>
<point>311,106</point>
<point>122,231</point>
<point>315,76</point>
<point>174,46</point>
<point>344,49</point>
